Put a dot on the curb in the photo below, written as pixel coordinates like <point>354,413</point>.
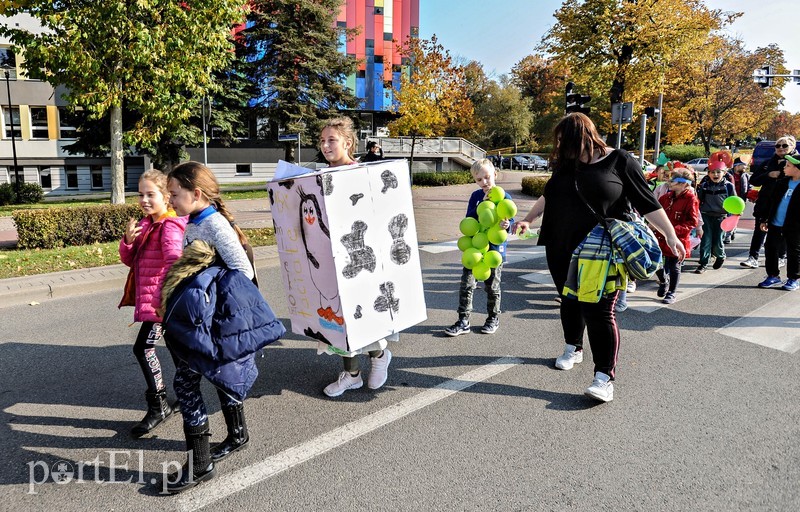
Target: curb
<point>17,291</point>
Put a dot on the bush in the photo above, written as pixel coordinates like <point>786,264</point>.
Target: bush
<point>684,152</point>
<point>29,193</point>
<point>48,228</point>
<point>440,179</point>
<point>534,185</point>
<point>7,194</point>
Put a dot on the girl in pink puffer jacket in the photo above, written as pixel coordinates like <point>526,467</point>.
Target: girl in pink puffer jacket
<point>150,247</point>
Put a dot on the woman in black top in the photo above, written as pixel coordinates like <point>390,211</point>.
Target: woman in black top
<point>612,182</point>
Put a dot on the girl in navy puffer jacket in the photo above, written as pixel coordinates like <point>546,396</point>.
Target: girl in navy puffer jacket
<point>150,247</point>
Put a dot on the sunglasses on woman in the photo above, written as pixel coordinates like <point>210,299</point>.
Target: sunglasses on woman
<point>782,146</point>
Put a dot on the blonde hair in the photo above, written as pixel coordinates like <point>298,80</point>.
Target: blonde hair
<point>194,175</point>
<point>480,164</point>
<point>788,139</point>
<point>157,178</point>
<point>682,173</point>
<point>344,127</point>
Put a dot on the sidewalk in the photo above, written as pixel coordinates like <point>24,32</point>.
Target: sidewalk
<point>437,211</point>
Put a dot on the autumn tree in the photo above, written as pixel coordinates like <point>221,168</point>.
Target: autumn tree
<point>619,50</point>
<point>783,123</point>
<point>155,57</point>
<point>292,50</point>
<point>506,115</point>
<point>433,95</point>
<point>714,97</point>
<point>542,80</point>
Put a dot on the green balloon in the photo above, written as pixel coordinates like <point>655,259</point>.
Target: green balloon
<point>471,257</point>
<point>493,259</point>
<point>733,205</point>
<point>506,209</point>
<point>485,205</point>
<point>464,243</point>
<point>496,194</point>
<point>469,226</point>
<point>480,242</point>
<point>497,235</point>
<point>481,271</point>
<point>487,218</point>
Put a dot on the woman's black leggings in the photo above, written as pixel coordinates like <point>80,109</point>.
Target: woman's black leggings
<point>598,320</point>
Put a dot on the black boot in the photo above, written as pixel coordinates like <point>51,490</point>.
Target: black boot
<point>237,433</point>
<point>198,467</point>
<point>158,409</point>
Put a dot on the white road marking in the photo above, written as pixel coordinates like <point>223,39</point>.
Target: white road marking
<point>439,247</point>
<point>244,478</point>
<point>513,255</point>
<point>773,325</point>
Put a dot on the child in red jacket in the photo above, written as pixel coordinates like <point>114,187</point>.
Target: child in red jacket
<point>683,210</point>
<point>150,247</point>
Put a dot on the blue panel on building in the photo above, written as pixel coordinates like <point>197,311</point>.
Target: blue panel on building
<point>378,87</point>
<point>370,83</point>
<point>361,87</point>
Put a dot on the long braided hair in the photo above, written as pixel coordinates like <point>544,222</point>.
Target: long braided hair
<point>194,175</point>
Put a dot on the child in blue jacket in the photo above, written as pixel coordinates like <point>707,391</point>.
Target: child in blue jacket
<point>485,174</point>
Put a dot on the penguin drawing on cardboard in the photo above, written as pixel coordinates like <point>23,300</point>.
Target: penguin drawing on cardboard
<point>317,243</point>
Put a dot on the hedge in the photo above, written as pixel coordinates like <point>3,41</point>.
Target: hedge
<point>48,228</point>
<point>684,153</point>
<point>534,185</point>
<point>440,179</point>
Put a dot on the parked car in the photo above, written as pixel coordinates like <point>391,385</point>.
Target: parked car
<point>538,162</point>
<point>496,160</point>
<point>522,163</point>
<point>763,152</point>
<point>701,164</point>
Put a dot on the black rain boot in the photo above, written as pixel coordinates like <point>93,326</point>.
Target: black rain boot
<point>237,433</point>
<point>158,409</point>
<point>198,467</point>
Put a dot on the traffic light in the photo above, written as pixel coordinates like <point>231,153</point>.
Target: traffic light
<point>763,76</point>
<point>650,111</point>
<point>577,103</point>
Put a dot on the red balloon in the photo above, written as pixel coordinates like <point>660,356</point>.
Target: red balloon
<point>730,222</point>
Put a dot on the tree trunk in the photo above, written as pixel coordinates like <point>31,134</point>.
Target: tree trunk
<point>117,157</point>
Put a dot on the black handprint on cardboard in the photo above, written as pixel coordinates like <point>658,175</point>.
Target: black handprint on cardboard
<point>386,301</point>
<point>400,252</point>
<point>361,256</point>
<point>389,181</point>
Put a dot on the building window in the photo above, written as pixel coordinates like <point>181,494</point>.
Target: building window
<point>8,61</point>
<point>387,36</point>
<point>8,117</point>
<point>67,122</point>
<point>71,172</point>
<point>39,123</point>
<point>379,11</point>
<point>242,169</point>
<point>44,177</point>
<point>97,176</point>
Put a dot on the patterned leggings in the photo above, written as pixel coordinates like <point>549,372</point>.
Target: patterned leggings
<point>187,389</point>
<point>144,349</point>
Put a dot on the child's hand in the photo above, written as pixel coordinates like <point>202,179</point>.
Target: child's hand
<point>764,226</point>
<point>505,223</point>
<point>699,232</point>
<point>132,231</point>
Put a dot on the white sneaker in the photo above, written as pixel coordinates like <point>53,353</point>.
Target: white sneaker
<point>343,383</point>
<point>601,389</point>
<point>569,358</point>
<point>631,286</point>
<point>781,262</point>
<point>750,262</point>
<point>379,370</point>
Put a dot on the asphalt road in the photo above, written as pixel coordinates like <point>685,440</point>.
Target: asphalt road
<point>701,420</point>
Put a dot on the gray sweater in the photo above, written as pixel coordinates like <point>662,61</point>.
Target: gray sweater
<point>218,232</point>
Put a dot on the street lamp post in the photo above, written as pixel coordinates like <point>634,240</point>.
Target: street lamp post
<point>13,138</point>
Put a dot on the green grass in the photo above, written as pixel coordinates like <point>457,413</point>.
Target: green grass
<point>16,263</point>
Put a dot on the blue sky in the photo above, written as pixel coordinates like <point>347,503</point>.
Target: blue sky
<point>499,34</point>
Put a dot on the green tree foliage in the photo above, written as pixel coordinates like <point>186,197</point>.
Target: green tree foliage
<point>433,98</point>
<point>506,115</point>
<point>156,58</point>
<point>292,50</point>
<point>542,81</point>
